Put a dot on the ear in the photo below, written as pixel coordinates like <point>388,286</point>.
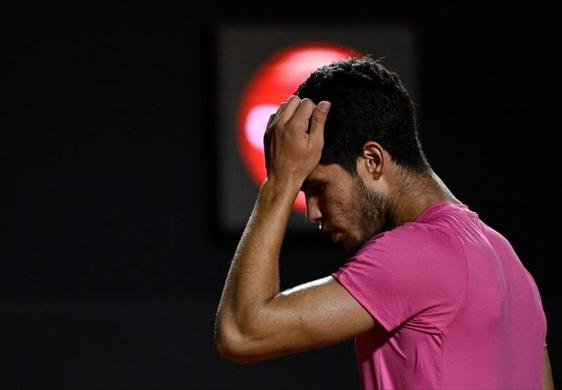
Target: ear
<point>371,160</point>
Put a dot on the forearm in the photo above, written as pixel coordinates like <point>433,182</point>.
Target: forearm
<point>253,278</point>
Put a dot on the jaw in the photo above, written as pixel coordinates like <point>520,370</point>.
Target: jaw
<point>352,243</point>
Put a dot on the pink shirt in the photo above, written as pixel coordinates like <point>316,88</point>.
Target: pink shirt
<point>458,307</point>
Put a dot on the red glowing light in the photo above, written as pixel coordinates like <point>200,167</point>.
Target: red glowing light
<point>271,84</point>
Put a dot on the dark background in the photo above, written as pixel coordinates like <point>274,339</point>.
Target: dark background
<point>111,262</point>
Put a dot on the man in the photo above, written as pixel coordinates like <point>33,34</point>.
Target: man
<point>433,297</point>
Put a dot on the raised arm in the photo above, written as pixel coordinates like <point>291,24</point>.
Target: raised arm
<point>254,321</point>
<point>548,382</point>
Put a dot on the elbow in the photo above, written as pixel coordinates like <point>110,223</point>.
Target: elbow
<point>227,352</point>
<point>224,350</point>
<point>231,345</point>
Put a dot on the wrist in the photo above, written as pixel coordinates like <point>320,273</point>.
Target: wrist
<point>282,187</point>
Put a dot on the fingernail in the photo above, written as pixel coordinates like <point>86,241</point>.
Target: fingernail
<point>324,106</point>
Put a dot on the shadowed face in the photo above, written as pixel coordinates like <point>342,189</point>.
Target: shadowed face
<point>344,207</point>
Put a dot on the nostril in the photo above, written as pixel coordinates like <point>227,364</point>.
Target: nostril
<point>313,214</point>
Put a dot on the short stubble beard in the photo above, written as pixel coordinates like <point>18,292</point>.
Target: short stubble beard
<point>372,210</point>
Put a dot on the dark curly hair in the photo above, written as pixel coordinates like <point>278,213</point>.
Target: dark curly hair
<point>369,103</point>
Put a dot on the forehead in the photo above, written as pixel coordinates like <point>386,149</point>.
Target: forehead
<point>327,172</point>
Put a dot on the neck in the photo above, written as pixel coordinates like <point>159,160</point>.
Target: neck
<point>415,194</point>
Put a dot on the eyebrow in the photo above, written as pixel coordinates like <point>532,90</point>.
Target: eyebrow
<point>309,183</point>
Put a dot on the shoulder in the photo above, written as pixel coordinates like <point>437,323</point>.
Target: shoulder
<point>413,238</point>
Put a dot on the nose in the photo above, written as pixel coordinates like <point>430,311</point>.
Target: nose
<point>313,214</point>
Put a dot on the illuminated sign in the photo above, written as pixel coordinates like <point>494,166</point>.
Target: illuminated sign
<point>271,84</point>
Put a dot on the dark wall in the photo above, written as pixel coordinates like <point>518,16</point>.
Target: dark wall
<point>112,266</point>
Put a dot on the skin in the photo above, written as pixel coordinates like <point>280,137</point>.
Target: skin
<point>548,382</point>
<point>255,321</point>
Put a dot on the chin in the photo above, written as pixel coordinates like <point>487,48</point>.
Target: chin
<point>351,245</point>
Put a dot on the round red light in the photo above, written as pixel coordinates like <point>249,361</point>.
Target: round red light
<point>272,83</point>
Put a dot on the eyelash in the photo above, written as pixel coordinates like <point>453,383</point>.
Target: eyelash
<point>317,188</point>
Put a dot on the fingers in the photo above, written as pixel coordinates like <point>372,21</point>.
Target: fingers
<point>318,120</point>
<point>269,125</point>
<point>287,109</point>
<point>266,146</point>
<point>270,120</point>
<point>303,112</point>
<point>280,117</point>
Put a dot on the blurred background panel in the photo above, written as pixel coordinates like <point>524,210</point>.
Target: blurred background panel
<point>260,66</point>
<point>115,126</point>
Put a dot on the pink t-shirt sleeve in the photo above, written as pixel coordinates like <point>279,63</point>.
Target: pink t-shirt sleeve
<point>412,274</point>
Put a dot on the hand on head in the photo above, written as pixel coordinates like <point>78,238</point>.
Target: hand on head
<point>294,139</point>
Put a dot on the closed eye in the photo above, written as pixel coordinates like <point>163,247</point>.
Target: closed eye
<point>313,187</point>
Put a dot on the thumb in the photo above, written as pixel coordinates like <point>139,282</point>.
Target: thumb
<point>318,119</point>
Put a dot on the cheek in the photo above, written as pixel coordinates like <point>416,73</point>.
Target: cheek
<point>335,206</point>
